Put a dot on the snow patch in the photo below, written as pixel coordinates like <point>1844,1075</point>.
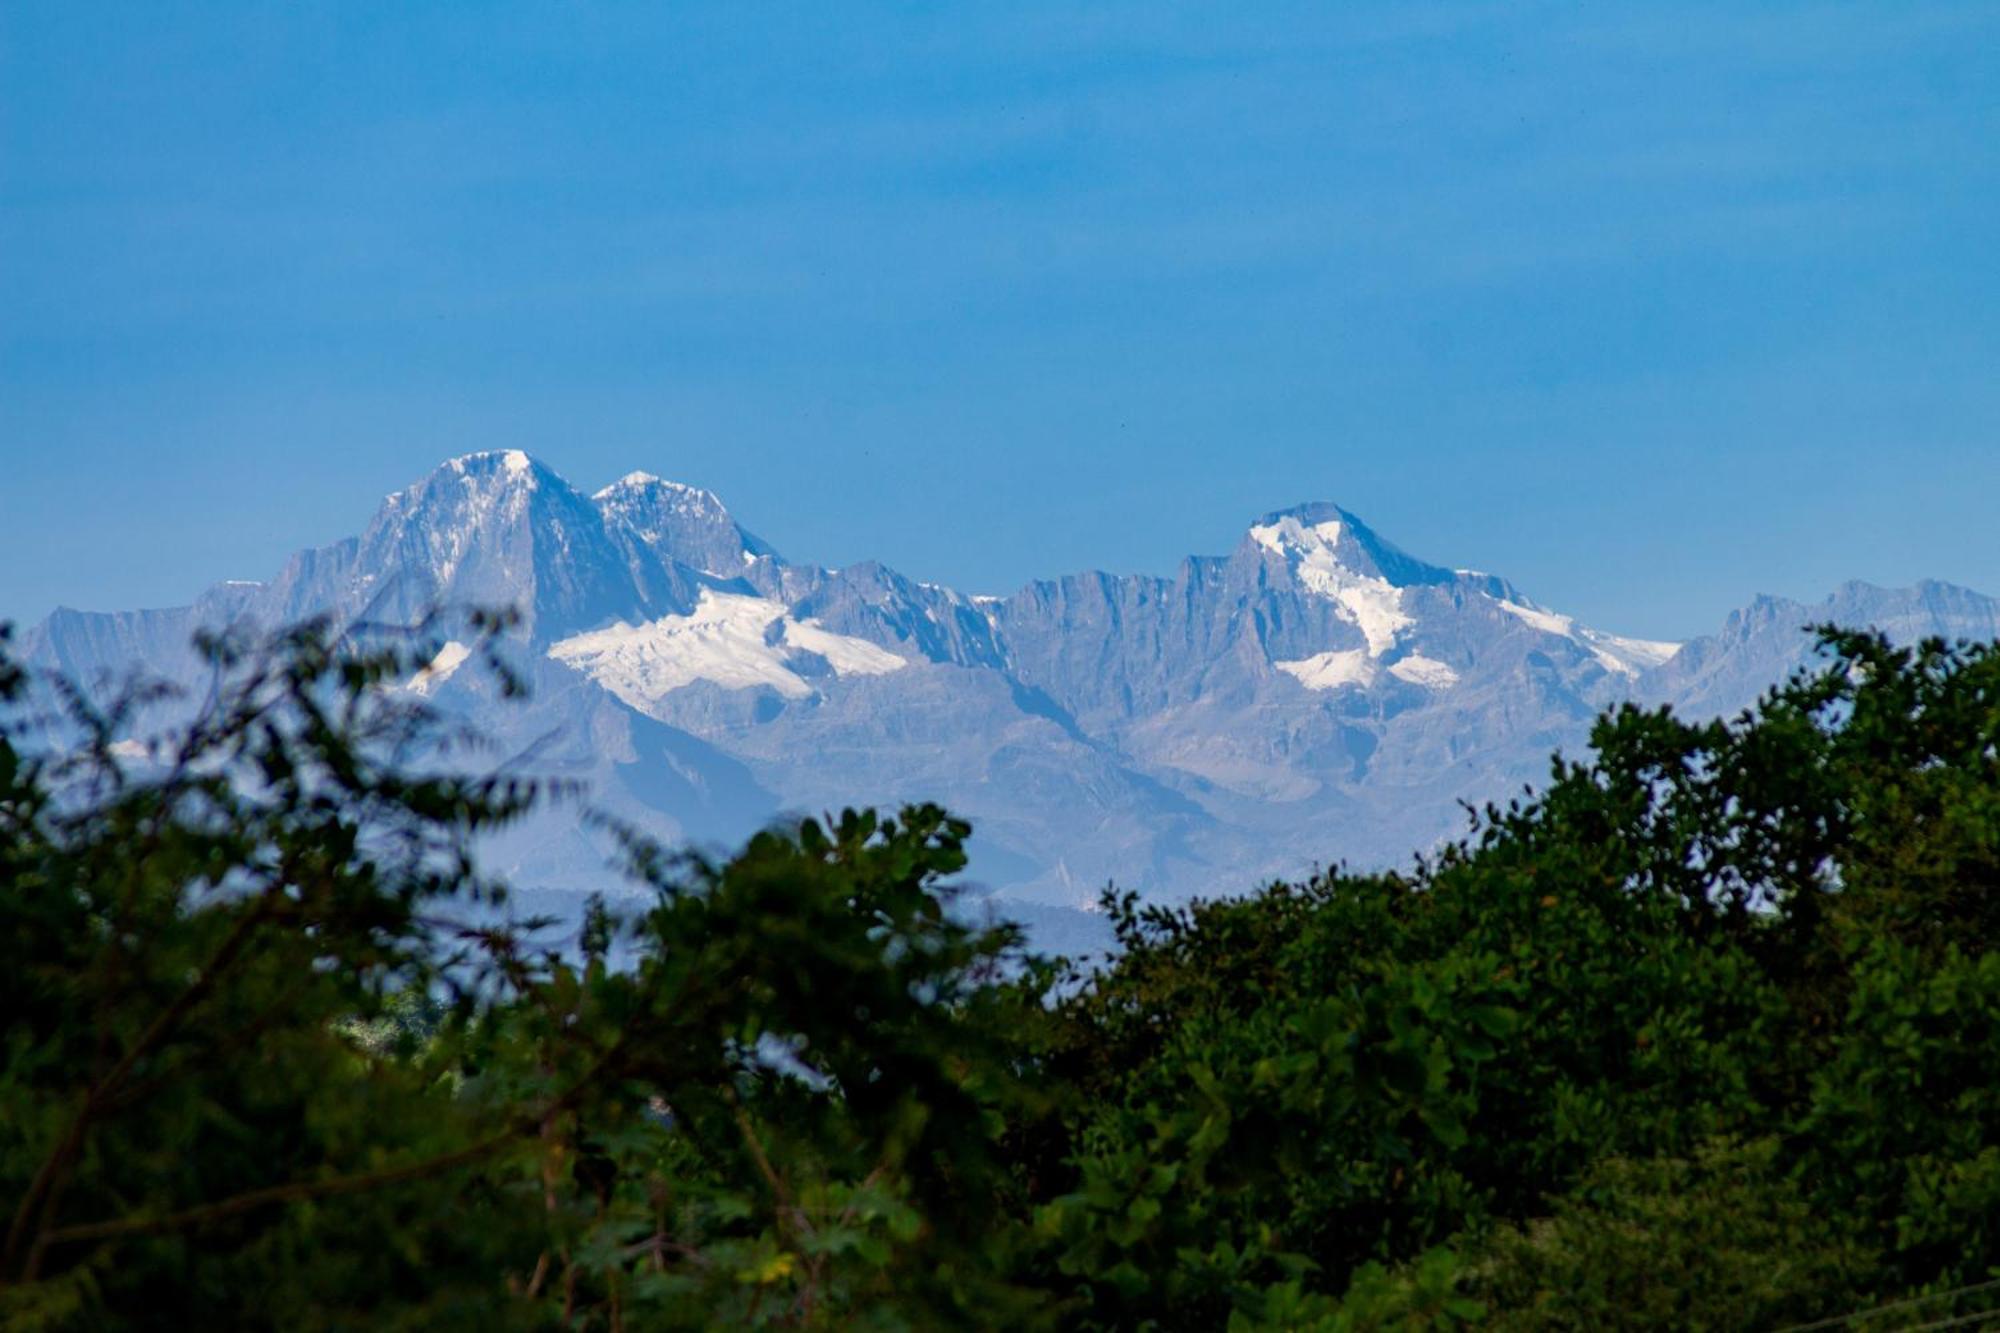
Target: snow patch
<point>1626,657</point>
<point>726,640</point>
<point>1632,655</point>
<point>1372,604</point>
<point>1425,671</point>
<point>847,655</point>
<point>1330,671</point>
<point>1548,622</point>
<point>440,668</point>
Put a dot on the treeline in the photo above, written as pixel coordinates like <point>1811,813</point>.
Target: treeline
<point>1706,1034</point>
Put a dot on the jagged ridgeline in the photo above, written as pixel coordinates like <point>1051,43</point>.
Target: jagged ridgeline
<point>1316,694</point>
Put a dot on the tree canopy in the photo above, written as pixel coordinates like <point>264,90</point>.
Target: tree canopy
<point>1704,1033</point>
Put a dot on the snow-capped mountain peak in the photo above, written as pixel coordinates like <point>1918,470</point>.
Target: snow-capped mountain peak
<point>681,523</point>
<point>460,485</point>
<point>1330,554</point>
<point>691,498</point>
<point>1322,534</point>
<point>1315,694</point>
<point>504,464</point>
<point>497,528</point>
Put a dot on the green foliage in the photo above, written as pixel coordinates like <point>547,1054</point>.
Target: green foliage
<point>273,1061</point>
<point>1777,930</point>
<point>1723,1239</point>
<point>1705,1035</point>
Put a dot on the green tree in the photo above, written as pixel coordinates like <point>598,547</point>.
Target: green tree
<point>1702,1035</point>
<point>1775,929</point>
<point>272,1062</point>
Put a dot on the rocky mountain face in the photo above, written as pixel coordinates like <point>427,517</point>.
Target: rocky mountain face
<point>1314,695</point>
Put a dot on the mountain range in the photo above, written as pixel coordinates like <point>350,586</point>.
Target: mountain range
<point>1315,695</point>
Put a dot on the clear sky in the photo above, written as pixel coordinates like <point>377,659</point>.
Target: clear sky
<point>1649,308</point>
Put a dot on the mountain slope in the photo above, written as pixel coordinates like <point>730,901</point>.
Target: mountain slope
<point>1315,694</point>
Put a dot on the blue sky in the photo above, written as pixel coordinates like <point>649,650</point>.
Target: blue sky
<point>1649,308</point>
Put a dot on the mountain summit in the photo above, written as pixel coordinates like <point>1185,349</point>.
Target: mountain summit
<point>1316,694</point>
<point>1322,537</point>
<point>492,529</point>
<point>680,523</point>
